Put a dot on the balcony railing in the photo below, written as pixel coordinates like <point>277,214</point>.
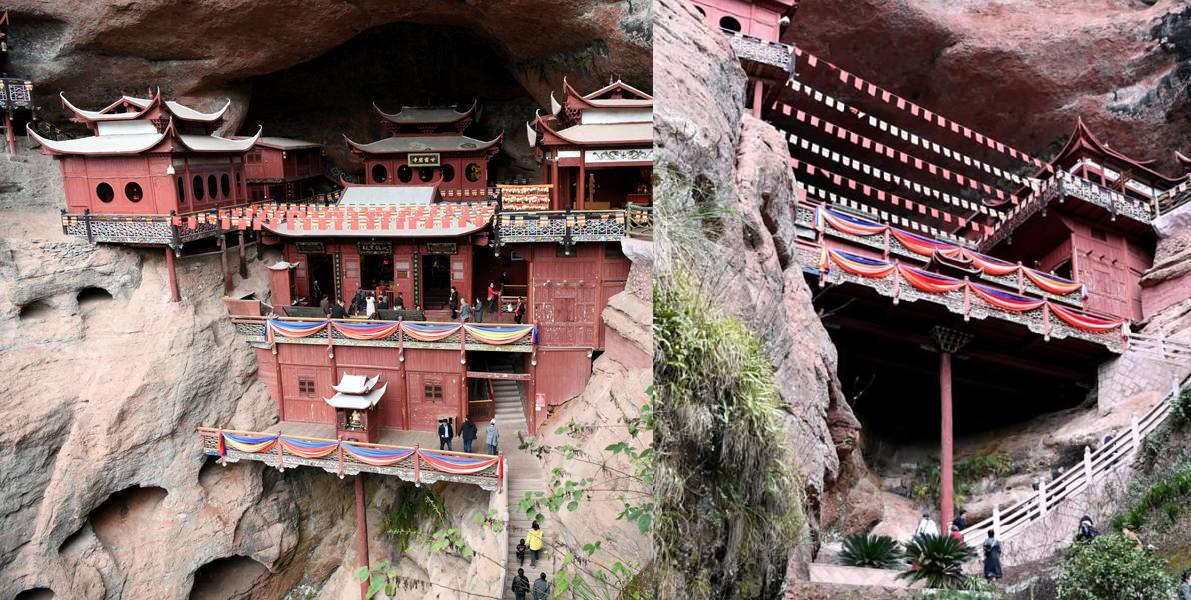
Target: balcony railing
<point>400,335</point>
<point>563,227</point>
<point>1060,187</point>
<point>640,219</point>
<point>1019,282</point>
<point>775,57</point>
<point>168,230</point>
<point>340,457</point>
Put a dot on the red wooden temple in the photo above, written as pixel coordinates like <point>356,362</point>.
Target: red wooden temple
<point>151,173</point>
<point>755,26</point>
<point>427,146</point>
<point>596,148</point>
<point>932,242</point>
<point>281,169</point>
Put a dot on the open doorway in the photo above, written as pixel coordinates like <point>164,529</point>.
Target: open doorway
<point>613,187</point>
<point>436,282</point>
<point>496,382</point>
<point>322,277</point>
<point>376,269</point>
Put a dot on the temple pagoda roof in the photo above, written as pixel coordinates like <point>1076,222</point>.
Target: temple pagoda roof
<point>137,141</point>
<point>136,108</point>
<point>1083,140</point>
<point>356,392</point>
<point>423,143</point>
<point>391,217</point>
<point>282,143</point>
<point>425,115</point>
<point>616,94</point>
<point>385,195</point>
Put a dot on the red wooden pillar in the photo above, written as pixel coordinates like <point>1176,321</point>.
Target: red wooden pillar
<point>361,531</point>
<point>758,91</point>
<point>227,275</point>
<point>173,275</point>
<point>244,261</point>
<point>581,187</point>
<point>946,477</point>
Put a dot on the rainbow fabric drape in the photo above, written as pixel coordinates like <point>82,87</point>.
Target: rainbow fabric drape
<point>934,283</point>
<point>924,246</point>
<point>445,462</point>
<point>422,332</point>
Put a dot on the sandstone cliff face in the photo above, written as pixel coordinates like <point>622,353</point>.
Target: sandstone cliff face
<point>1023,71</point>
<point>739,170</point>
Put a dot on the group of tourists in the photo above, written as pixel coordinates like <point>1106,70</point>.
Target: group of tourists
<point>521,587</point>
<point>468,431</point>
<point>991,547</point>
<point>473,312</point>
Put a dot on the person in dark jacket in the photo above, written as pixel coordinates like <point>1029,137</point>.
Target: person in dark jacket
<point>520,585</point>
<point>1185,586</point>
<point>337,310</point>
<point>357,305</point>
<point>467,431</point>
<point>445,433</point>
<point>1087,532</point>
<point>399,302</point>
<point>992,557</point>
<point>519,312</point>
<point>961,520</point>
<point>477,311</point>
<point>541,588</point>
<point>453,302</point>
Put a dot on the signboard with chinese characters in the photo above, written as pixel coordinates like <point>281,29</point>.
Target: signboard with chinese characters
<point>374,247</point>
<point>424,159</point>
<point>311,247</point>
<point>441,248</point>
<point>525,197</point>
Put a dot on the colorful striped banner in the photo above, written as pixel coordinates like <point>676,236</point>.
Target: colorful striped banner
<point>251,445</point>
<point>501,336</point>
<point>456,464</point>
<point>308,448</point>
<point>1084,321</point>
<point>1052,283</point>
<point>932,283</point>
<point>1005,300</point>
<point>377,457</point>
<point>860,265</point>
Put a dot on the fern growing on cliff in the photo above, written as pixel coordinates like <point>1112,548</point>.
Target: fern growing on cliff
<point>873,551</point>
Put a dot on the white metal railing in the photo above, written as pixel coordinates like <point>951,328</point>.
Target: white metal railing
<point>1118,452</point>
<point>1158,347</point>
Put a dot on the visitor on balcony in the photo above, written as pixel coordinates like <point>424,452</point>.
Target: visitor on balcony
<point>382,303</point>
<point>358,303</point>
<point>477,311</point>
<point>324,304</point>
<point>492,437</point>
<point>382,290</point>
<point>493,298</point>
<point>468,432</point>
<point>465,313</point>
<point>399,302</point>
<point>519,312</point>
<point>445,433</point>
<point>453,302</point>
<point>370,307</point>
<point>337,311</point>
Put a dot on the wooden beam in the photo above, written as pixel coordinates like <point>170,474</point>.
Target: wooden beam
<point>503,376</point>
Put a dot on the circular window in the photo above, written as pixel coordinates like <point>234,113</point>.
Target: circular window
<point>196,186</point>
<point>425,174</point>
<point>211,189</point>
<point>225,184</point>
<point>404,173</point>
<point>133,192</point>
<point>473,172</point>
<point>448,173</point>
<point>181,190</point>
<point>105,192</point>
<point>379,174</point>
<point>730,24</point>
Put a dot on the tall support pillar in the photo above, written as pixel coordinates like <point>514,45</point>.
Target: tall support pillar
<point>9,135</point>
<point>949,342</point>
<point>361,532</point>
<point>227,274</point>
<point>243,260</point>
<point>758,93</point>
<point>173,275</point>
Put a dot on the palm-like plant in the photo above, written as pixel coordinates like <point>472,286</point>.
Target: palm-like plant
<point>873,551</point>
<point>938,561</point>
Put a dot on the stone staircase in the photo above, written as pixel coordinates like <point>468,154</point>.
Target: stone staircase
<point>524,470</point>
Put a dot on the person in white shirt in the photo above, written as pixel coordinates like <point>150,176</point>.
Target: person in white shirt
<point>370,307</point>
<point>926,527</point>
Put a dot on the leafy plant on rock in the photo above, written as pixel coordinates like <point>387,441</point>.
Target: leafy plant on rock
<point>938,561</point>
<point>872,551</point>
<point>1111,568</point>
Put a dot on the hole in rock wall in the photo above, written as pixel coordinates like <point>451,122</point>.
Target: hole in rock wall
<point>90,296</point>
<point>120,520</point>
<point>73,542</point>
<point>35,310</point>
<point>392,65</point>
<point>227,578</point>
<point>35,594</point>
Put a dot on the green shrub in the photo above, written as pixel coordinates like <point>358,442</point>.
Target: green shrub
<point>873,551</point>
<point>938,561</point>
<point>1111,568</point>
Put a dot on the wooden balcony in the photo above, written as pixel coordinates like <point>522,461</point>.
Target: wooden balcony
<point>155,230</point>
<point>561,226</point>
<point>400,335</point>
<point>410,463</point>
<point>762,58</point>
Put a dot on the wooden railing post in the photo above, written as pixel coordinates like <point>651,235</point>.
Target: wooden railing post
<point>1136,433</point>
<point>996,519</point>
<point>1161,345</point>
<point>1087,466</point>
<point>1042,496</point>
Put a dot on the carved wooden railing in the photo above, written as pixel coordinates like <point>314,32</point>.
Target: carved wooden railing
<point>771,54</point>
<point>167,230</point>
<point>561,226</point>
<point>343,457</point>
<point>255,330</point>
<point>640,219</point>
<point>1096,466</point>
